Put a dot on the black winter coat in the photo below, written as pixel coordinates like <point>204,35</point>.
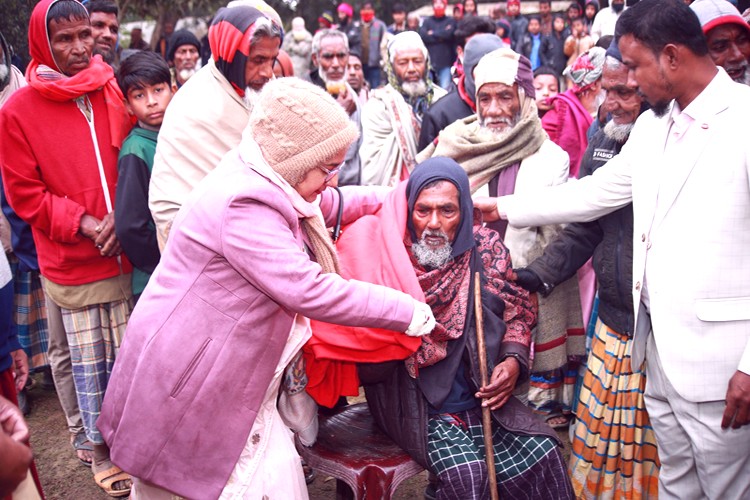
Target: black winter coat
<point>441,42</point>
<point>442,113</point>
<point>610,241</point>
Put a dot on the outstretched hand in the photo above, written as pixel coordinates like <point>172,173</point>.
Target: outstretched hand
<point>501,385</point>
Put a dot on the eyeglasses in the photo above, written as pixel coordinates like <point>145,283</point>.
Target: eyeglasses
<point>330,174</point>
<point>328,56</point>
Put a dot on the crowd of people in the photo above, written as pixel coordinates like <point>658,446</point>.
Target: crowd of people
<point>206,241</point>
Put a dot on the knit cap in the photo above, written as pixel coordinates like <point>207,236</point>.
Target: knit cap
<point>713,13</point>
<point>180,38</point>
<point>299,127</point>
<point>505,66</point>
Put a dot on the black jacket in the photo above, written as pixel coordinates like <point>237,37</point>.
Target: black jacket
<point>441,43</point>
<point>552,52</point>
<point>442,113</point>
<point>609,240</point>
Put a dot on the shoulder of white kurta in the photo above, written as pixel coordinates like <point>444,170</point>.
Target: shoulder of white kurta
<point>550,162</point>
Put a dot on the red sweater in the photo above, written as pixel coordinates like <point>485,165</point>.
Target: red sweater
<point>52,179</point>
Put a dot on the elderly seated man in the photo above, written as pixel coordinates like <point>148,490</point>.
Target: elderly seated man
<point>428,244</point>
<point>330,53</point>
<point>503,148</point>
<point>392,118</point>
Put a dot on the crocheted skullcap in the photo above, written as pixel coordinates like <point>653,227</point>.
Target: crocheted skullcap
<point>299,127</point>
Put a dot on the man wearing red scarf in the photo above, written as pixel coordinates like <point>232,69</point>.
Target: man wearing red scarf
<point>59,166</point>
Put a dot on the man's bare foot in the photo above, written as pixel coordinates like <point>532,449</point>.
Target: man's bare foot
<point>83,448</point>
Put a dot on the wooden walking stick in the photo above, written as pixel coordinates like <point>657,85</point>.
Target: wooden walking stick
<point>489,450</point>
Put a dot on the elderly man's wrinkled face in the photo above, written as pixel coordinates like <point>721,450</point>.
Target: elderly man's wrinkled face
<point>259,66</point>
<point>72,43</point>
<point>186,57</point>
<point>332,59</point>
<point>410,66</point>
<point>498,106</point>
<point>729,47</point>
<point>622,100</point>
<point>105,28</point>
<point>185,62</point>
<point>436,217</point>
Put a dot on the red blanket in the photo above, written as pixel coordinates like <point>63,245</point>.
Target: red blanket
<point>372,250</point>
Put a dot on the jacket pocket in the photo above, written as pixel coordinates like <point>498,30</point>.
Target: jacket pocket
<point>731,309</point>
<point>190,369</point>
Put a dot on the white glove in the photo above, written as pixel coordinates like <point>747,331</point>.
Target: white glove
<point>422,320</point>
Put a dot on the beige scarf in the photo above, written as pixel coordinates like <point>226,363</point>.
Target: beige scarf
<point>480,153</point>
<point>311,217</point>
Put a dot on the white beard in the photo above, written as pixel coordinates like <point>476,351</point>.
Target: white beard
<point>745,78</point>
<point>414,89</point>
<point>432,258</point>
<point>251,97</point>
<point>496,135</point>
<point>617,132</point>
<point>4,72</point>
<point>185,74</point>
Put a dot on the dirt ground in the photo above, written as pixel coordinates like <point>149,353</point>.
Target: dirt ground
<point>63,477</point>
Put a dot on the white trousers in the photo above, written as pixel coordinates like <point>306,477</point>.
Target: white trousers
<point>699,459</point>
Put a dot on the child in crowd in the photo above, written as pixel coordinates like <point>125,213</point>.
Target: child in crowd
<point>553,46</point>
<point>547,86</point>
<point>145,82</point>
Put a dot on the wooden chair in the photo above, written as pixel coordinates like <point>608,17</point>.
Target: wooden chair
<point>352,449</point>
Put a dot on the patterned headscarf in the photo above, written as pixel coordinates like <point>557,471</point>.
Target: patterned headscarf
<point>586,69</point>
<point>410,40</point>
<point>229,38</point>
<point>45,76</point>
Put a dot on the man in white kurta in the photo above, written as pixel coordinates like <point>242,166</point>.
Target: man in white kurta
<point>686,168</point>
<point>392,118</point>
<point>207,116</point>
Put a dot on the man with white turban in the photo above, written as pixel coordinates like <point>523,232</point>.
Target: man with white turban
<point>504,150</point>
<point>392,118</point>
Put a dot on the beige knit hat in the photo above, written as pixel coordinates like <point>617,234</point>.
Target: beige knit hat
<point>299,127</point>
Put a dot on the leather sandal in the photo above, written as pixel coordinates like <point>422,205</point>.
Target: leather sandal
<point>106,480</point>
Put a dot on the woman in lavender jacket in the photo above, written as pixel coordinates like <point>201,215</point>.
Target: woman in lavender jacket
<point>191,405</point>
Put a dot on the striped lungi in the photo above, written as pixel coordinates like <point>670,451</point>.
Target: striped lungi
<point>526,466</point>
<point>30,315</point>
<point>614,453</point>
<point>94,334</point>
